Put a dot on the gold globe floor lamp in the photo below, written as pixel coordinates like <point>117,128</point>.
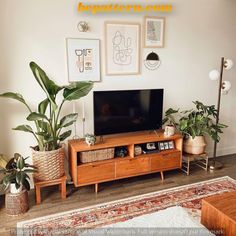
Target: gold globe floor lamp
<point>224,87</point>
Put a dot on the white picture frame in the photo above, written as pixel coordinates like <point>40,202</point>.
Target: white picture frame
<point>83,59</point>
<point>122,45</point>
<point>154,32</point>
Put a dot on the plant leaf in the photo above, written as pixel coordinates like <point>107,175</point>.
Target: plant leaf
<point>15,96</point>
<point>65,135</point>
<point>20,164</point>
<point>48,86</point>
<point>43,106</point>
<point>68,120</point>
<point>26,184</point>
<point>25,128</point>
<point>77,90</point>
<point>36,116</point>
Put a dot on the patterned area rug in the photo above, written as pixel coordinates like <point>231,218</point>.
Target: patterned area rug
<point>187,196</point>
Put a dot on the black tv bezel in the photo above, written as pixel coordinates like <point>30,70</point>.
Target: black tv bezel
<point>127,90</point>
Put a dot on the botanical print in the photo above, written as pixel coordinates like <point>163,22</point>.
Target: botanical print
<point>154,32</point>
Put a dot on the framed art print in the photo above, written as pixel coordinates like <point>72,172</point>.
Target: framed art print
<point>122,42</point>
<point>154,29</point>
<point>83,59</point>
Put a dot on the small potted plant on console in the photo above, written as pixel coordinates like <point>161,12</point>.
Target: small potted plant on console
<point>170,122</point>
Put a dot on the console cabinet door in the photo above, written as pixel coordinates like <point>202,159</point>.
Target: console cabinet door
<point>166,161</point>
<point>95,173</point>
<point>133,166</point>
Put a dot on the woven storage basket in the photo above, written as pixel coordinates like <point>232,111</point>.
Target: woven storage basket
<point>17,203</point>
<point>50,164</point>
<point>97,155</point>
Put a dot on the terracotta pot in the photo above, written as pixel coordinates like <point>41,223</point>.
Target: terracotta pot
<point>195,145</point>
<point>50,164</point>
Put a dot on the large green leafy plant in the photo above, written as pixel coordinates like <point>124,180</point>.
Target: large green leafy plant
<point>16,172</point>
<point>49,125</point>
<point>200,121</point>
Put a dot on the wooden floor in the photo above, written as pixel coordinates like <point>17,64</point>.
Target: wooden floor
<point>85,196</point>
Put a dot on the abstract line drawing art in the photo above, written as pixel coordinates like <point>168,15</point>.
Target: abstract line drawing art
<point>83,59</point>
<point>122,41</point>
<point>122,49</point>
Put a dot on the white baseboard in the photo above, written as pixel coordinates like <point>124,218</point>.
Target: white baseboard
<point>222,151</point>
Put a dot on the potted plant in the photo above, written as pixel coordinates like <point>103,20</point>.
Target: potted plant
<point>48,154</point>
<point>170,122</point>
<point>16,182</point>
<point>196,123</point>
<point>16,176</point>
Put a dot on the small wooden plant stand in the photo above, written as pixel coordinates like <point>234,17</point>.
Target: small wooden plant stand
<point>41,184</point>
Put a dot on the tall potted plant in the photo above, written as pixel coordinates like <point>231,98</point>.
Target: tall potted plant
<point>196,123</point>
<point>49,132</point>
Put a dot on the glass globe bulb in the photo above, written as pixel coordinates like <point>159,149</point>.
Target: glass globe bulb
<point>228,64</point>
<point>214,75</point>
<point>226,86</point>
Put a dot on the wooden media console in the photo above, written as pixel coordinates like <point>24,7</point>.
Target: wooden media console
<point>123,167</point>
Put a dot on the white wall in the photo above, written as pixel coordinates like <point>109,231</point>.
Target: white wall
<point>198,33</point>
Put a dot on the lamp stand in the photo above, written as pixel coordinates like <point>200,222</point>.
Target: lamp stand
<point>215,164</point>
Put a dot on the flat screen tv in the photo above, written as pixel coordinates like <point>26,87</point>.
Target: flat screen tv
<point>127,111</point>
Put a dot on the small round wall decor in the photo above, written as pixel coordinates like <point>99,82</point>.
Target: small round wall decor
<point>152,61</point>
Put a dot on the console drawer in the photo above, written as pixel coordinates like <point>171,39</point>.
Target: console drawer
<point>166,161</point>
<point>94,173</point>
<point>132,166</point>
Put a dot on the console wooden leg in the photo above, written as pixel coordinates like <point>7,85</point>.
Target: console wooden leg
<point>37,194</point>
<point>162,176</point>
<point>63,190</point>
<point>96,188</point>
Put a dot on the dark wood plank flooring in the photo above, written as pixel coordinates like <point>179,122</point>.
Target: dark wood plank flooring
<point>85,196</point>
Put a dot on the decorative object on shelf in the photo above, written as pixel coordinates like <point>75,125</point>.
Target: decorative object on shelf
<point>150,148</point>
<point>224,87</point>
<point>195,123</point>
<point>170,122</point>
<point>90,139</point>
<point>171,144</point>
<point>48,153</point>
<point>167,145</point>
<point>97,155</point>
<point>122,42</point>
<point>121,152</point>
<point>152,61</point>
<point>83,26</point>
<point>83,59</point>
<point>137,150</point>
<point>16,183</point>
<point>161,146</point>
<point>154,28</point>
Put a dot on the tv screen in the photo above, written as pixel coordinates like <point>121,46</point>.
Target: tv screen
<point>127,111</point>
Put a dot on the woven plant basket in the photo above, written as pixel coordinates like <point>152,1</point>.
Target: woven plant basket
<point>50,164</point>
